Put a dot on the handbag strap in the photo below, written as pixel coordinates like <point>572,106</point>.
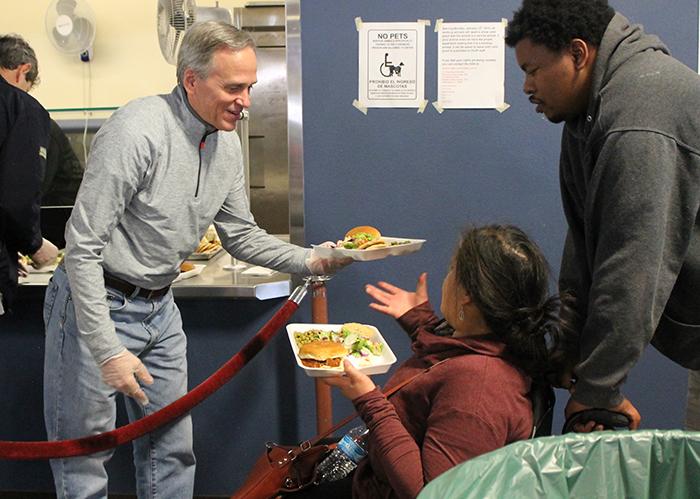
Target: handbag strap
<point>388,393</point>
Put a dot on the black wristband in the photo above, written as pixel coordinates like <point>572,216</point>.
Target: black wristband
<point>609,419</point>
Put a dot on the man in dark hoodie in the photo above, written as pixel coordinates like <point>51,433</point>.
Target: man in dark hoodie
<point>630,183</point>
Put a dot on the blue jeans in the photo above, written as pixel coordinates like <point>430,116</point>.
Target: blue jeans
<point>78,403</point>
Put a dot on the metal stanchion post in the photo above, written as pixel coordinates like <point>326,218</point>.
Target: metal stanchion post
<point>319,315</point>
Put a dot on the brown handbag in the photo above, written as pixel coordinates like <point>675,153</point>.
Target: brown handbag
<point>285,468</point>
<point>282,468</point>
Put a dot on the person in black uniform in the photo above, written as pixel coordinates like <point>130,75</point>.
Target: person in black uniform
<point>63,172</point>
<point>24,137</point>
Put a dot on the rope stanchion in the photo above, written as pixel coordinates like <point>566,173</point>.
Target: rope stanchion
<point>319,315</point>
<point>27,451</point>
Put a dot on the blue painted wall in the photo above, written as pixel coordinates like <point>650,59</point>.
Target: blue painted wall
<point>413,175</point>
<point>427,175</point>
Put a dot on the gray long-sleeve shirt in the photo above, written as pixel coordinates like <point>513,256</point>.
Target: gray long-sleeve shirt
<point>156,178</point>
<point>630,177</point>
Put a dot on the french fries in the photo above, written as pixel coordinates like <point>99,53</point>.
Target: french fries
<point>209,242</point>
<point>206,246</point>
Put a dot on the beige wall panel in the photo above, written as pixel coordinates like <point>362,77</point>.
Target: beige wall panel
<point>126,62</point>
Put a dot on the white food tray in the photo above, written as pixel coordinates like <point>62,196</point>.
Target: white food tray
<point>43,270</point>
<point>190,273</point>
<point>207,255</point>
<point>375,364</point>
<point>370,253</point>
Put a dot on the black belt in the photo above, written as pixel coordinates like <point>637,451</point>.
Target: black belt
<point>130,290</point>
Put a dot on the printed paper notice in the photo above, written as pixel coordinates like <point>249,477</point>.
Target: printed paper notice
<point>471,65</point>
<point>391,64</point>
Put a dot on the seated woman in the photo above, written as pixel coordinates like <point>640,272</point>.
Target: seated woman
<point>502,330</point>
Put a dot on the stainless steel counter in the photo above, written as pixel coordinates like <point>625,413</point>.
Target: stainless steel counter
<point>216,280</point>
<point>219,280</point>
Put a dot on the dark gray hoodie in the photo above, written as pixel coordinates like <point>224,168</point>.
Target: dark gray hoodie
<point>630,180</point>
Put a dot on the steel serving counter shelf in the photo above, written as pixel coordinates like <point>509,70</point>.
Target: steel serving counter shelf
<point>215,281</point>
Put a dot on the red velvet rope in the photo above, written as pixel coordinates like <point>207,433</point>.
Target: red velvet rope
<point>25,451</point>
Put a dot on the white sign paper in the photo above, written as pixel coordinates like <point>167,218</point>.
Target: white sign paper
<point>391,65</point>
<point>471,65</point>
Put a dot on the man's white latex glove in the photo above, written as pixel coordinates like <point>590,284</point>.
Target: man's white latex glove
<point>326,266</point>
<point>123,373</point>
<point>45,255</point>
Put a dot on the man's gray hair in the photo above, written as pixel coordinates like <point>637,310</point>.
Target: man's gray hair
<point>14,51</point>
<point>202,40</point>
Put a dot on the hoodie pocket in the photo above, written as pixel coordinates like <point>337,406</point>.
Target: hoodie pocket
<point>678,341</point>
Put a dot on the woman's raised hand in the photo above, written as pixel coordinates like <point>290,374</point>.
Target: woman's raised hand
<point>394,301</point>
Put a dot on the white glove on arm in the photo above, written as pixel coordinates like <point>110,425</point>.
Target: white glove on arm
<point>123,373</point>
<point>45,255</point>
<point>326,266</point>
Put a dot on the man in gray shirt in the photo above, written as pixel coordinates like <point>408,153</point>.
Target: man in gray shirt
<point>161,169</point>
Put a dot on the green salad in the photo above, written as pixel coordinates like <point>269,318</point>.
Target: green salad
<point>359,346</point>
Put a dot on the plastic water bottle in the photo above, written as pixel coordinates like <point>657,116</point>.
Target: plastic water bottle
<point>350,451</point>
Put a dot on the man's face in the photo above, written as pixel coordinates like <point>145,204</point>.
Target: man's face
<point>220,98</point>
<point>554,81</point>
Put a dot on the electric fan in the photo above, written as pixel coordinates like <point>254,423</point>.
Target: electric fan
<point>176,16</point>
<point>70,25</point>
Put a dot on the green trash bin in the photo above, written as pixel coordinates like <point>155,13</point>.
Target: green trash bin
<point>651,464</point>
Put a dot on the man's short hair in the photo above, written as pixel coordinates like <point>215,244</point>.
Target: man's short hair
<point>554,23</point>
<point>202,40</point>
<point>14,51</point>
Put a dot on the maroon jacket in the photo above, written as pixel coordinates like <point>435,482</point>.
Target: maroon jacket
<point>472,404</point>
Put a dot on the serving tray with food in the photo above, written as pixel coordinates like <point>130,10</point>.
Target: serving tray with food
<point>319,349</point>
<point>364,243</point>
<point>188,270</point>
<point>46,269</point>
<point>209,246</point>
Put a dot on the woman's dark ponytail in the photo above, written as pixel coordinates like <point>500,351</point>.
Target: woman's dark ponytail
<point>527,335</point>
<point>507,276</point>
<point>540,342</point>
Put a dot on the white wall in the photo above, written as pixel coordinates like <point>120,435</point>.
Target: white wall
<point>126,64</point>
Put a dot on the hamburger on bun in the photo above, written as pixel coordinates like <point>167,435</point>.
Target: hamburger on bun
<point>186,266</point>
<point>322,353</point>
<point>362,237</point>
<point>361,330</point>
